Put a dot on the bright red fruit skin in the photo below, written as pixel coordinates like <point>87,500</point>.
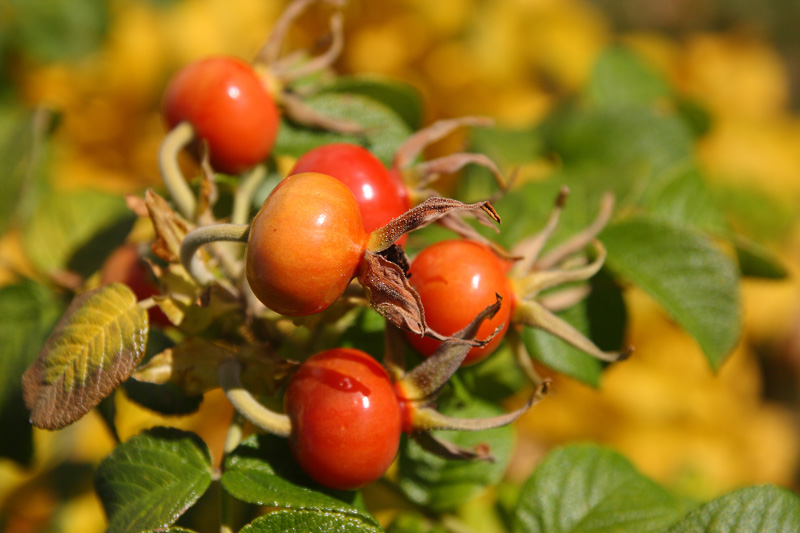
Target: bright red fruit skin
<point>457,279</point>
<point>379,197</point>
<point>345,418</point>
<point>305,244</point>
<point>229,108</point>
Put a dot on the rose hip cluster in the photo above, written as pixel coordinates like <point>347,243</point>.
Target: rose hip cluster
<point>336,225</point>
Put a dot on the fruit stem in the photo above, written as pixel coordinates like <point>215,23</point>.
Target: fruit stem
<point>243,199</point>
<point>245,403</point>
<point>204,235</point>
<point>180,136</point>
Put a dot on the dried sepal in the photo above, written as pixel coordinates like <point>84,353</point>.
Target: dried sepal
<point>424,382</point>
<point>449,450</point>
<point>521,355</point>
<point>412,147</point>
<point>170,228</point>
<point>534,314</point>
<point>417,217</point>
<point>390,294</point>
<point>428,419</point>
<point>424,174</point>
<point>537,281</point>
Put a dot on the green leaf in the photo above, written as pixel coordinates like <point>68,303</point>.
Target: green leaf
<point>496,378</point>
<point>28,312</point>
<point>587,488</point>
<point>383,129</point>
<point>685,199</point>
<point>304,520</point>
<point>366,333</point>
<point>262,471</point>
<point>686,273</point>
<point>756,260</point>
<point>92,350</point>
<point>149,481</point>
<point>763,508</point>
<point>442,484</point>
<point>65,222</point>
<point>22,150</point>
<point>400,97</point>
<point>51,30</point>
<point>620,78</point>
<point>632,151</point>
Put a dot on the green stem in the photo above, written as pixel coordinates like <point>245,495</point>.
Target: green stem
<point>177,139</point>
<point>243,198</point>
<point>246,404</point>
<point>204,235</point>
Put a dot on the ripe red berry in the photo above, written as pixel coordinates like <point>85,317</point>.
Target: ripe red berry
<point>455,280</point>
<point>305,244</point>
<point>380,196</point>
<point>228,107</point>
<point>345,418</point>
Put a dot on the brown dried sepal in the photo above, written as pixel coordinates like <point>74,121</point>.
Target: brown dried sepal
<point>420,216</point>
<point>170,229</point>
<point>390,294</point>
<point>451,451</point>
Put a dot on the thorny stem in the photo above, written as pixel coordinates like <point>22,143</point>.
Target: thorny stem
<point>177,139</point>
<point>229,378</point>
<point>204,235</point>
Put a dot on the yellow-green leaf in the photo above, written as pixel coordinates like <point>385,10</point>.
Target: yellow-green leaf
<point>92,350</point>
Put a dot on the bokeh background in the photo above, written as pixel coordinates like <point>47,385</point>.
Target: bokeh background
<point>102,65</point>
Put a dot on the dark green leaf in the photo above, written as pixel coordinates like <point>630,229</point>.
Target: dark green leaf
<point>383,129</point>
<point>442,484</point>
<point>150,480</point>
<point>587,488</point>
<point>366,333</point>
<point>64,222</point>
<point>409,522</point>
<point>757,261</point>
<point>51,30</point>
<point>686,273</point>
<point>764,508</point>
<point>262,471</point>
<point>495,378</point>
<point>305,520</point>
<point>621,78</point>
<point>400,97</point>
<point>92,350</point>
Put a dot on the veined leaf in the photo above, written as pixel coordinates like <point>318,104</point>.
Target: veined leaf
<point>304,520</point>
<point>93,349</point>
<point>262,471</point>
<point>686,273</point>
<point>588,488</point>
<point>400,97</point>
<point>149,481</point>
<point>764,508</point>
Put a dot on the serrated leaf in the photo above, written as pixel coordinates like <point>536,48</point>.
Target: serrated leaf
<point>28,312</point>
<point>686,273</point>
<point>587,488</point>
<point>294,520</point>
<point>92,350</point>
<point>64,222</point>
<point>383,129</point>
<point>442,484</point>
<point>149,481</point>
<point>763,508</point>
<point>621,78</point>
<point>402,98</point>
<point>262,471</point>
